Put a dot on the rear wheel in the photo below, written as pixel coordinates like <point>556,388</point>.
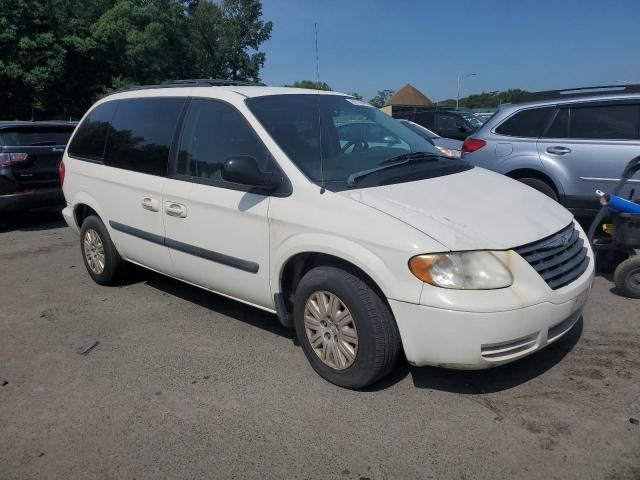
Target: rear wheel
<point>100,256</point>
<point>346,330</point>
<point>541,186</point>
<point>627,277</point>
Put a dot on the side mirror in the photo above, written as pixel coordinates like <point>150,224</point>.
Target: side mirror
<point>244,169</point>
<point>391,140</point>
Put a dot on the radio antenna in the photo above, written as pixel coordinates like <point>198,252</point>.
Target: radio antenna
<point>322,188</point>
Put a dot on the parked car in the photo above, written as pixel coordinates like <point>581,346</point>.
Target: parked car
<point>30,153</point>
<point>448,146</point>
<point>250,192</point>
<point>457,124</point>
<point>564,143</point>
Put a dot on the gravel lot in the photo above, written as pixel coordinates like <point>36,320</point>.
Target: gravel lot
<point>185,384</point>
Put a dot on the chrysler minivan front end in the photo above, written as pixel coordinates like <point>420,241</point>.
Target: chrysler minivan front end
<point>482,309</point>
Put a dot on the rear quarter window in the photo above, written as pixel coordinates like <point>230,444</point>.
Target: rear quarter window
<point>528,123</point>
<point>88,141</point>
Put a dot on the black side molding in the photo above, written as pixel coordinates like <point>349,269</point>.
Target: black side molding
<point>246,265</point>
<point>234,262</point>
<point>151,237</point>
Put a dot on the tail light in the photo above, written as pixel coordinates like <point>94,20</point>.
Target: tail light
<point>7,159</point>
<point>472,144</point>
<point>61,172</point>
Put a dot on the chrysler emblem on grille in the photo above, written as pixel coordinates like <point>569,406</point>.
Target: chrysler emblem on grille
<point>560,240</point>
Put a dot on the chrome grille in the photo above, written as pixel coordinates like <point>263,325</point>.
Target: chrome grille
<point>559,259</point>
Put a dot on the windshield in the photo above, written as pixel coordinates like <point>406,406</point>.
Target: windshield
<point>355,137</point>
<point>476,122</point>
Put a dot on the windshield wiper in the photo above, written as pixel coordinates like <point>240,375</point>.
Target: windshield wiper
<point>394,162</point>
<point>43,144</point>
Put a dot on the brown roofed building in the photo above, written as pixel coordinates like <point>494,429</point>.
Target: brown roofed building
<point>407,96</point>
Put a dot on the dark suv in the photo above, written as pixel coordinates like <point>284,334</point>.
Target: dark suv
<point>30,153</point>
<point>457,124</point>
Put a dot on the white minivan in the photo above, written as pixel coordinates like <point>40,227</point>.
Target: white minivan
<point>365,240</point>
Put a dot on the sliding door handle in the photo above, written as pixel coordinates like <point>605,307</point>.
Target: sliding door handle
<point>174,209</point>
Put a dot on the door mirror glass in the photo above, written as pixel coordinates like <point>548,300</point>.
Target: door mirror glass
<point>244,169</point>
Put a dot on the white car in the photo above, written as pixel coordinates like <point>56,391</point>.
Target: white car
<point>249,192</point>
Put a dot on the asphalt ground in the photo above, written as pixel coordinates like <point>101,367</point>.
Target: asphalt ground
<point>159,379</point>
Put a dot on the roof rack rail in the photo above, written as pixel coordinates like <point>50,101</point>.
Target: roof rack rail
<point>580,92</point>
<point>194,82</point>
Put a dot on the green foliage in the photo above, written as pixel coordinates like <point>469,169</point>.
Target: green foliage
<point>356,95</point>
<point>381,98</point>
<point>486,99</point>
<point>58,56</point>
<point>310,84</point>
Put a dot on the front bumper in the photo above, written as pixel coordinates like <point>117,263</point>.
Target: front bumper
<point>33,199</point>
<point>476,340</point>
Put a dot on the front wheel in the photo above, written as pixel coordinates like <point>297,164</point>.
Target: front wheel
<point>627,277</point>
<point>346,330</point>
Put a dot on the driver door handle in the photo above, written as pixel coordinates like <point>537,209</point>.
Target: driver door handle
<point>174,209</point>
<point>558,150</point>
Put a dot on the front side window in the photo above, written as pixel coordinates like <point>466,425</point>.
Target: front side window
<point>141,133</point>
<point>616,122</point>
<point>213,133</point>
<point>526,123</point>
<point>88,141</point>
<point>331,139</point>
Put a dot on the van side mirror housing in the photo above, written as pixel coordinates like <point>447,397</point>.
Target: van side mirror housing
<point>243,169</point>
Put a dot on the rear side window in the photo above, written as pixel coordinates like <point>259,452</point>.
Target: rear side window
<point>213,132</point>
<point>527,123</point>
<point>618,122</point>
<point>36,136</point>
<point>141,133</point>
<point>88,141</point>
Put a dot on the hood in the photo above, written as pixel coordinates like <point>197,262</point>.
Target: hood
<point>472,210</point>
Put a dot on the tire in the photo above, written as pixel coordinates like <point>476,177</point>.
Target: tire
<point>93,234</point>
<point>541,186</point>
<point>378,340</point>
<point>627,277</point>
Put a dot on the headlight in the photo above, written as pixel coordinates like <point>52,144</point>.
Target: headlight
<point>462,270</point>
<point>449,152</point>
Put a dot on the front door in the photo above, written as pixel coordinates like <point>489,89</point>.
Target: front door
<point>217,232</point>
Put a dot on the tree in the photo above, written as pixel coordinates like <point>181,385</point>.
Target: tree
<point>381,98</point>
<point>310,84</point>
<point>58,56</point>
<point>356,95</point>
<point>486,99</point>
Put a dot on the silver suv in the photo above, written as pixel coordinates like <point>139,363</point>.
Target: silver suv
<point>565,143</point>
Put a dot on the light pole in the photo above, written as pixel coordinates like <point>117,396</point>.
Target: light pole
<point>459,77</point>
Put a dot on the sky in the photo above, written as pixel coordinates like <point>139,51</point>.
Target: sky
<point>369,45</point>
